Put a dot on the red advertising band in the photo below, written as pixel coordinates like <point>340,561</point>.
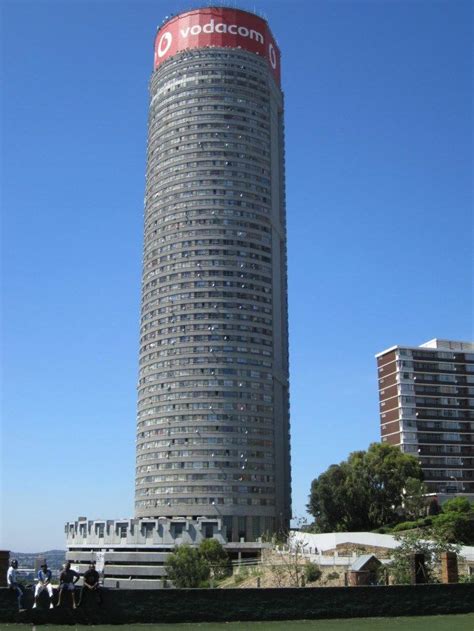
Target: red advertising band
<point>227,28</point>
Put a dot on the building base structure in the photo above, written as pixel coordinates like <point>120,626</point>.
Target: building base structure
<point>133,553</point>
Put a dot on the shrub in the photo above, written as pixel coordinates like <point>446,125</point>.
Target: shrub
<point>405,525</point>
<point>457,505</point>
<point>187,568</point>
<point>312,573</point>
<point>242,574</point>
<point>417,542</point>
<point>332,576</point>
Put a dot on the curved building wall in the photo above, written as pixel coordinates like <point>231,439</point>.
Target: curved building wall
<point>212,427</point>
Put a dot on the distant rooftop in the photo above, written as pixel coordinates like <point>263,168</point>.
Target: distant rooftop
<point>436,344</point>
<point>362,561</point>
<point>448,344</point>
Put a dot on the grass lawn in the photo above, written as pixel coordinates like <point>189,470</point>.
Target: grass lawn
<point>460,622</point>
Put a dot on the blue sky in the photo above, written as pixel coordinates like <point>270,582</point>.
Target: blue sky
<point>379,201</point>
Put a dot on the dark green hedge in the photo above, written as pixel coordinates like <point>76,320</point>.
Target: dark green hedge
<point>206,605</point>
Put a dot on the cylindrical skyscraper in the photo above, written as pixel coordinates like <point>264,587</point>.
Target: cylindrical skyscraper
<point>213,424</point>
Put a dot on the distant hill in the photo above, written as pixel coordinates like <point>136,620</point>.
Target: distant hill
<point>54,558</point>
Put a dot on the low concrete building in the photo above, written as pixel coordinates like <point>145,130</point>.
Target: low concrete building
<point>132,553</point>
<point>162,532</point>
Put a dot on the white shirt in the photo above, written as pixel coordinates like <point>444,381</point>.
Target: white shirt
<point>11,576</point>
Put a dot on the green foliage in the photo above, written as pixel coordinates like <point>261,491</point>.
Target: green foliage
<point>186,567</point>
<point>427,543</point>
<point>363,492</point>
<point>332,576</point>
<point>405,525</point>
<point>458,505</point>
<point>455,527</point>
<point>410,525</point>
<point>193,567</point>
<point>455,523</point>
<point>216,557</point>
<point>466,578</point>
<point>312,573</point>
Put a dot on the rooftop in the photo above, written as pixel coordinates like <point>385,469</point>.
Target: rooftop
<point>435,345</point>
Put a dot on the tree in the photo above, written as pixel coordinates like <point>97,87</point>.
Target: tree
<point>290,568</point>
<point>335,503</point>
<point>290,565</point>
<point>186,567</point>
<point>216,557</point>
<point>364,492</point>
<point>456,521</point>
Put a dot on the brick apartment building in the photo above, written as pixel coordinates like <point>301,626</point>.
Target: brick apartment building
<point>427,409</point>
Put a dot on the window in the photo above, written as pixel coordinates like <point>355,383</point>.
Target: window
<point>209,529</point>
<point>148,529</point>
<point>227,522</point>
<point>257,528</point>
<point>177,529</point>
<point>122,530</point>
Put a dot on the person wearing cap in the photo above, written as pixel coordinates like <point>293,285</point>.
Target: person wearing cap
<point>91,584</point>
<point>44,582</point>
<point>12,581</point>
<point>67,583</point>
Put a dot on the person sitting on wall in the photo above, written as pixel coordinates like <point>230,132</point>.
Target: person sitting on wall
<point>91,584</point>
<point>12,581</point>
<point>44,582</point>
<point>67,583</point>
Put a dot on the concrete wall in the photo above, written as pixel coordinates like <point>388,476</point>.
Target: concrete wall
<point>197,605</point>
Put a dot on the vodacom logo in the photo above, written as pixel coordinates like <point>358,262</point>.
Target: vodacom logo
<point>164,44</point>
<point>220,31</point>
<point>272,56</point>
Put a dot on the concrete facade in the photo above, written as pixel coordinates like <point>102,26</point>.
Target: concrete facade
<point>427,409</point>
<point>213,402</point>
